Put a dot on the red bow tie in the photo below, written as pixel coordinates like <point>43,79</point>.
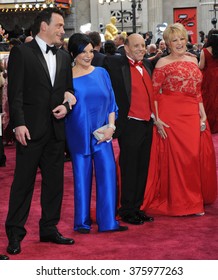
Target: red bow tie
<point>135,63</point>
<point>138,63</point>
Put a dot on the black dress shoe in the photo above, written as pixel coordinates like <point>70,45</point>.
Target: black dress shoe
<point>57,238</point>
<point>120,228</point>
<point>83,230</point>
<point>144,217</point>
<point>134,220</point>
<point>4,257</point>
<point>14,247</point>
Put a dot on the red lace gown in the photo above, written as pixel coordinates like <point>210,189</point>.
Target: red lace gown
<point>182,170</point>
<point>210,90</point>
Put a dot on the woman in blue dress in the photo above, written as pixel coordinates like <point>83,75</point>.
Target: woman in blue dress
<point>95,108</point>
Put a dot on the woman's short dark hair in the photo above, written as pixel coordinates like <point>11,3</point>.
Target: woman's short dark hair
<point>77,43</point>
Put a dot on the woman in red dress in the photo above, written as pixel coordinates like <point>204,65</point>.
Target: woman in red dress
<point>182,171</point>
<point>209,65</point>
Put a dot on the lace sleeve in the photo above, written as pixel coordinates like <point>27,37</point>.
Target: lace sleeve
<point>199,92</point>
<point>158,78</point>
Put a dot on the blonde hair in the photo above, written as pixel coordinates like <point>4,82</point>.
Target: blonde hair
<point>172,29</point>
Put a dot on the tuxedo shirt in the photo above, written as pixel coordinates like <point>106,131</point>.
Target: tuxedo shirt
<point>49,57</point>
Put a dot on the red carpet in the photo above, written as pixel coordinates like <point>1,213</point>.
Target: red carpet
<point>183,238</point>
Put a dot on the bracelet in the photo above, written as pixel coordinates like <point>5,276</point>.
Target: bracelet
<point>110,125</point>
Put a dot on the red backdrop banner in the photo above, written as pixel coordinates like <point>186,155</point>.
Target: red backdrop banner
<point>188,17</point>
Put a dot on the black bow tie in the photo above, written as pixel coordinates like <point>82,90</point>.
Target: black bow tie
<point>53,49</point>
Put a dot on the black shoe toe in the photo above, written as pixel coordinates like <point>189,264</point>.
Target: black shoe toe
<point>144,217</point>
<point>134,220</point>
<point>83,230</point>
<point>57,238</point>
<point>4,257</point>
<point>14,247</point>
<point>121,228</point>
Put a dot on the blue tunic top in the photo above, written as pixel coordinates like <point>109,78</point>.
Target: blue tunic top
<point>95,101</point>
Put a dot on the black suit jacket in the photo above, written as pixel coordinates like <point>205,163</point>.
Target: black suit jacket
<point>98,58</point>
<point>31,94</point>
<point>119,70</point>
<point>121,50</point>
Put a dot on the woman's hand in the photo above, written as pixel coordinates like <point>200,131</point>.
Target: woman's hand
<point>107,134</point>
<point>70,98</point>
<point>161,128</point>
<point>203,122</point>
<point>203,116</point>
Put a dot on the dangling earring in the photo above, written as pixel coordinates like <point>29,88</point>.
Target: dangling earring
<point>74,62</point>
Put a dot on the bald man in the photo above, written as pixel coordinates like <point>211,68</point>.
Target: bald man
<point>131,79</point>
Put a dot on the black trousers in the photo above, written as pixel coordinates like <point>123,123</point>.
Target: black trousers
<point>135,146</point>
<point>48,154</point>
<point>2,152</point>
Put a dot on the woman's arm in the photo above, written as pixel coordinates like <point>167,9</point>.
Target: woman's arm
<point>202,60</point>
<point>203,116</point>
<point>109,131</point>
<point>202,112</point>
<point>159,123</point>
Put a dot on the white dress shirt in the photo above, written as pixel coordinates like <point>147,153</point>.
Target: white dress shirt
<point>49,57</point>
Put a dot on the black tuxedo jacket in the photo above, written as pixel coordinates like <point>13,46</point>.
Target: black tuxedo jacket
<point>31,94</point>
<point>98,58</point>
<point>121,50</point>
<point>119,70</point>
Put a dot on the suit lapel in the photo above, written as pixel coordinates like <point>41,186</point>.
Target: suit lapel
<point>127,78</point>
<point>58,65</point>
<point>148,85</point>
<point>40,56</point>
<point>147,68</point>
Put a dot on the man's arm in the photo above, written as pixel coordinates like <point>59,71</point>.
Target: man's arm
<point>15,87</point>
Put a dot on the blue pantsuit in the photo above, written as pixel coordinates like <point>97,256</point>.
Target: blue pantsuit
<point>95,101</point>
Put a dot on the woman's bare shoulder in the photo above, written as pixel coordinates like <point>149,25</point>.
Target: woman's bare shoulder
<point>191,59</point>
<point>162,62</point>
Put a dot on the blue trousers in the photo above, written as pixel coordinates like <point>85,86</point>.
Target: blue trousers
<point>105,174</point>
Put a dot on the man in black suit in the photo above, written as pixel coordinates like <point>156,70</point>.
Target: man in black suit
<point>98,56</point>
<point>39,77</point>
<point>130,76</point>
<point>119,43</point>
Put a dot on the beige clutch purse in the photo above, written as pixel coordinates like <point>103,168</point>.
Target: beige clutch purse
<point>98,135</point>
